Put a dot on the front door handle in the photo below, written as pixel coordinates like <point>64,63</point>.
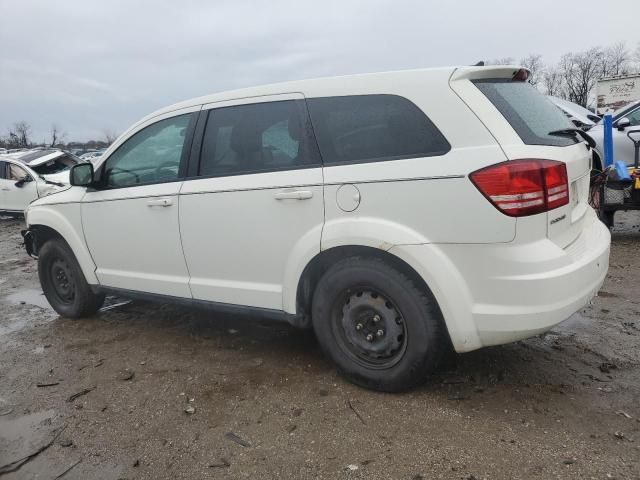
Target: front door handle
<point>160,202</point>
<point>294,195</point>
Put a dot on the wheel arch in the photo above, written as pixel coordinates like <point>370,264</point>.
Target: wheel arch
<point>47,223</point>
<point>320,263</point>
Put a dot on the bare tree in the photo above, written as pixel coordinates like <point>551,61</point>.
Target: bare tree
<point>19,135</point>
<point>554,82</point>
<point>580,72</point>
<point>636,59</point>
<point>109,136</point>
<point>534,64</point>
<point>57,135</point>
<point>615,60</point>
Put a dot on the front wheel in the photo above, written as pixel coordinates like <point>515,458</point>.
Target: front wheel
<point>381,329</point>
<point>63,282</point>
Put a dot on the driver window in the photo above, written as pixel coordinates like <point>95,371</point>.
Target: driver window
<point>14,172</point>
<point>150,156</point>
<point>634,118</point>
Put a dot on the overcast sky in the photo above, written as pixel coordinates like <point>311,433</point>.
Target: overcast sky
<point>91,65</point>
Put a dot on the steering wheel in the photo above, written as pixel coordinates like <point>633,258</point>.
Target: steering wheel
<point>165,166</point>
<point>123,170</point>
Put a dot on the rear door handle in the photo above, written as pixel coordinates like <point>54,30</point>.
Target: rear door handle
<point>160,202</point>
<point>294,195</point>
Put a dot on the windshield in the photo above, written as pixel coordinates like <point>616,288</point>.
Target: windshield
<point>621,112</point>
<point>528,111</point>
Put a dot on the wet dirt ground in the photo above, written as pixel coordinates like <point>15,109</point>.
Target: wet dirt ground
<point>107,397</point>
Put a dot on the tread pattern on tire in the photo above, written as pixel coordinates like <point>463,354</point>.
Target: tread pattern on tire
<point>86,302</point>
<point>412,374</point>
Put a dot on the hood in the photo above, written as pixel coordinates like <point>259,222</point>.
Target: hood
<point>60,177</point>
<point>578,112</point>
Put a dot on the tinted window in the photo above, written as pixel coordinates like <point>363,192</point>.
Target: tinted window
<point>150,156</point>
<point>372,128</point>
<point>2,169</point>
<point>529,112</point>
<point>257,137</point>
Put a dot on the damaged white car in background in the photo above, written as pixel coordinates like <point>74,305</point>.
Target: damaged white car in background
<point>27,176</point>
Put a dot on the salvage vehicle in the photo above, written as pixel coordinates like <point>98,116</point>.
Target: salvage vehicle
<point>27,176</point>
<point>579,116</point>
<point>623,148</point>
<point>399,214</point>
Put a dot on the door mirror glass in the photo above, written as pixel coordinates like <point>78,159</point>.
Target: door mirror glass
<point>623,123</point>
<point>81,175</point>
<point>26,179</point>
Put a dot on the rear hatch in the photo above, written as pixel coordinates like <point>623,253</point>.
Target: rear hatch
<point>522,119</point>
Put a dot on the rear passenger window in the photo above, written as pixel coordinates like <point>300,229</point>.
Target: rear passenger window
<point>369,128</point>
<point>257,138</point>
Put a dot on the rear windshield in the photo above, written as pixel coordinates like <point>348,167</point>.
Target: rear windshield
<point>529,112</point>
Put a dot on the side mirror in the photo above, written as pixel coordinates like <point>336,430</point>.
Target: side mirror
<point>623,123</point>
<point>81,175</point>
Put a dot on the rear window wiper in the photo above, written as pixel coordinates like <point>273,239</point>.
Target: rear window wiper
<point>572,132</point>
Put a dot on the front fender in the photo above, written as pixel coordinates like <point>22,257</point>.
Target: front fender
<point>65,219</point>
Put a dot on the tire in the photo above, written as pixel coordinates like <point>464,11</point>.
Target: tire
<point>382,331</point>
<point>63,282</point>
<point>607,218</point>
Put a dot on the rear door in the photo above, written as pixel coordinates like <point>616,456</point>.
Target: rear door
<point>521,119</point>
<point>253,202</point>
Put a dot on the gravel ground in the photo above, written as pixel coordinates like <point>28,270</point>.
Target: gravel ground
<point>266,404</point>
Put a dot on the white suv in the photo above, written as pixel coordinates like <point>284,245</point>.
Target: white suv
<point>398,213</point>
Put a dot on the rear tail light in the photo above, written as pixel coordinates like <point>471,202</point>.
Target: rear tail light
<point>524,187</point>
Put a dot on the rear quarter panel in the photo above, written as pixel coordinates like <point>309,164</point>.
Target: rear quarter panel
<point>420,200</point>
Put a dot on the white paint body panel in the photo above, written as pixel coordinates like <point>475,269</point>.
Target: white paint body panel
<point>240,243</point>
<point>136,245</point>
<point>227,239</point>
<point>17,199</point>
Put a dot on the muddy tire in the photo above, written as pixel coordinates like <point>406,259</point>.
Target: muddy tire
<point>381,329</point>
<point>63,282</point>
<point>607,217</point>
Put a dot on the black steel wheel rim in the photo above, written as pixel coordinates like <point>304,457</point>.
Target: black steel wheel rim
<point>369,328</point>
<point>62,280</point>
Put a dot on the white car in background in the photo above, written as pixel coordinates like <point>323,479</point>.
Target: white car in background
<point>92,156</point>
<point>625,119</point>
<point>580,116</point>
<point>27,176</point>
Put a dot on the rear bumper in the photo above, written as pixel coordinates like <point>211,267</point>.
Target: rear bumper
<point>495,294</point>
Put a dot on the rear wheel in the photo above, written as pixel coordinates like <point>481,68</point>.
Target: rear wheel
<point>607,217</point>
<point>63,282</point>
<point>381,329</point>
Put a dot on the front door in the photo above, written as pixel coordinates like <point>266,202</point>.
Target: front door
<point>16,198</point>
<point>256,203</point>
<point>131,219</point>
<point>623,147</point>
